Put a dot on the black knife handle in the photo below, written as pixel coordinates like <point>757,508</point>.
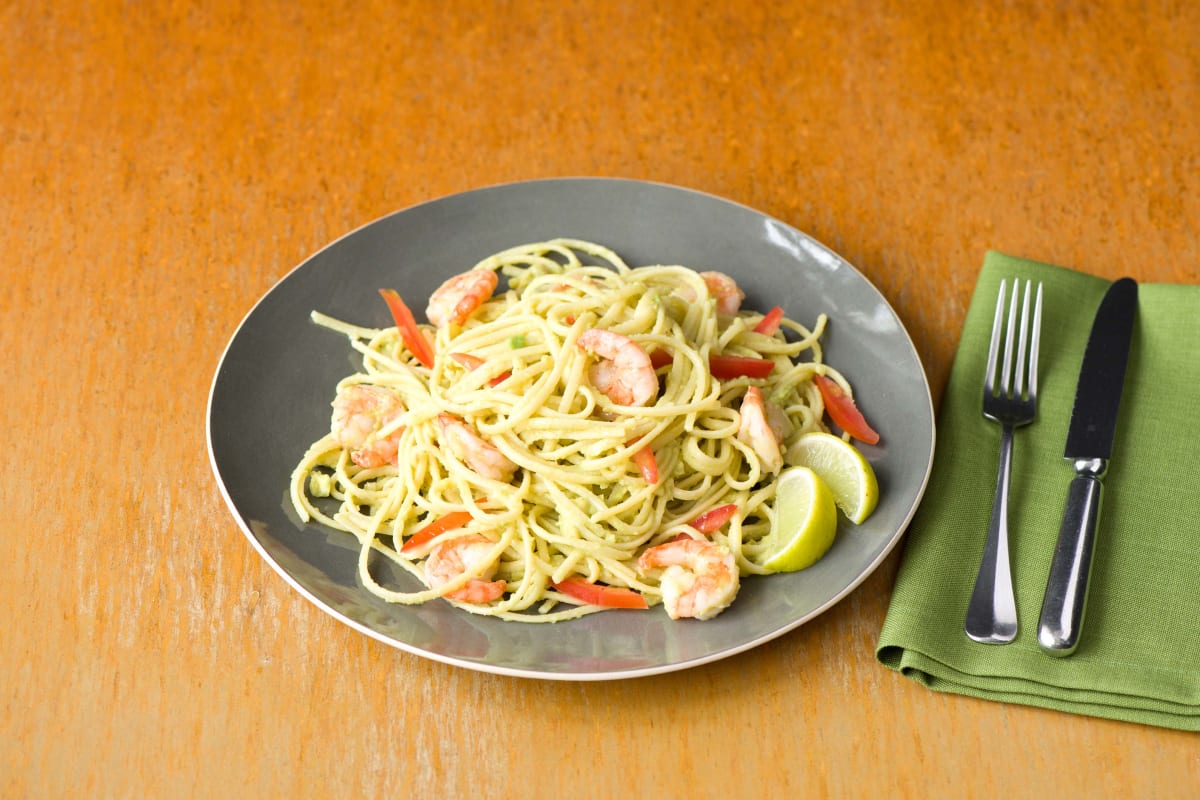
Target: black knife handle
<point>1070,571</point>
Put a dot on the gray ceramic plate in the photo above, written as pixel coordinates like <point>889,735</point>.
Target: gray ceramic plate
<point>271,393</point>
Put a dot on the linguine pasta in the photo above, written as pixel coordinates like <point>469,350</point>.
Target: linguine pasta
<point>579,505</point>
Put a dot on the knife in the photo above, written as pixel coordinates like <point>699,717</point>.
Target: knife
<point>1089,448</point>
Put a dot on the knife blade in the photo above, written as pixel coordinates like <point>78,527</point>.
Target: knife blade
<point>1089,447</point>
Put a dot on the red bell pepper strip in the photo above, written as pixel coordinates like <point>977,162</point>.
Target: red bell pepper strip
<point>467,360</point>
<point>597,594</point>
<point>726,367</point>
<point>414,340</point>
<point>455,519</point>
<point>714,518</point>
<point>843,411</point>
<point>660,358</point>
<point>475,362</point>
<point>770,322</point>
<point>723,368</point>
<point>647,464</point>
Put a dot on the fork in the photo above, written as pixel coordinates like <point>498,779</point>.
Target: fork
<point>992,611</point>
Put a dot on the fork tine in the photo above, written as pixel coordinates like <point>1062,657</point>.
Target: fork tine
<point>1006,379</point>
<point>989,382</point>
<point>1022,344</point>
<point>1033,344</point>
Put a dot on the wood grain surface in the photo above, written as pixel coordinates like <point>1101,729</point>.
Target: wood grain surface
<point>164,164</point>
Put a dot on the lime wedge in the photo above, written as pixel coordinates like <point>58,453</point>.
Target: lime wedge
<point>805,521</point>
<point>843,468</point>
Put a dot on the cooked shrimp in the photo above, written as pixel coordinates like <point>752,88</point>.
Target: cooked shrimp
<point>480,455</point>
<point>700,579</point>
<point>360,411</point>
<point>780,422</point>
<point>755,430</point>
<point>459,296</point>
<point>624,371</point>
<point>452,558</point>
<point>725,289</point>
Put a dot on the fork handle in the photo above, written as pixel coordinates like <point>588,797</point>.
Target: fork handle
<point>992,611</point>
<point>1065,601</point>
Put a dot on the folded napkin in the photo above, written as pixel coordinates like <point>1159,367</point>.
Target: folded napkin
<point>1139,653</point>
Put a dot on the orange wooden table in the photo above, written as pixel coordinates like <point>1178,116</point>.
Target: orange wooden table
<point>165,163</point>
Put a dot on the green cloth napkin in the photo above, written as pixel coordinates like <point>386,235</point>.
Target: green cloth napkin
<point>1139,653</point>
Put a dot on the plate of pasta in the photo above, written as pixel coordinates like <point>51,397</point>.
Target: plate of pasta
<point>537,429</point>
